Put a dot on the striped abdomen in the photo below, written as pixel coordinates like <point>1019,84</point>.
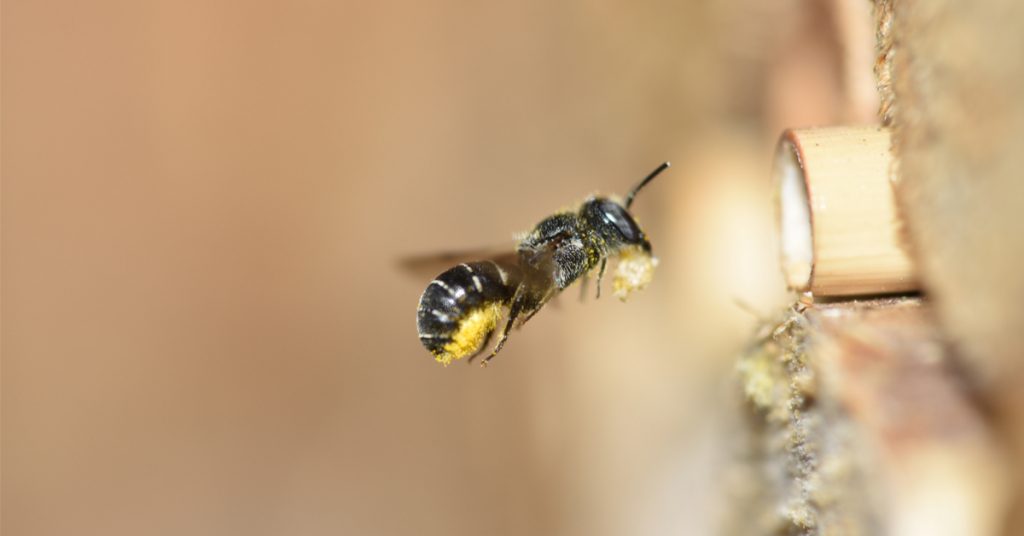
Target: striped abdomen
<point>459,310</point>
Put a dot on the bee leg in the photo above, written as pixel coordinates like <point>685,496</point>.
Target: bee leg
<point>513,313</point>
<point>483,346</point>
<point>529,316</point>
<point>600,275</point>
<point>519,302</point>
<point>537,306</point>
<point>583,288</point>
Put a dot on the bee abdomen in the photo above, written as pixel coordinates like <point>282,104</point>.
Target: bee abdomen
<point>460,308</point>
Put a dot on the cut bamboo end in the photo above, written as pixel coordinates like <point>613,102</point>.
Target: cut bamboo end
<point>838,221</point>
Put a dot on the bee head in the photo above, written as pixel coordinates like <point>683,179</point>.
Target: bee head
<point>613,223</point>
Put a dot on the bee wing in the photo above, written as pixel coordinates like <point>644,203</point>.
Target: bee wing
<point>431,264</point>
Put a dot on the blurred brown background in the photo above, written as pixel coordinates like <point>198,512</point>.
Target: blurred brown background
<point>204,327</point>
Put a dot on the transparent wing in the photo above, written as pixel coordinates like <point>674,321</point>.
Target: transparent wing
<point>430,264</point>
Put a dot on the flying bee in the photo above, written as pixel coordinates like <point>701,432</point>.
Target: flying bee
<point>460,310</point>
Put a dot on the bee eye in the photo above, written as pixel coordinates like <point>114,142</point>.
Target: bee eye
<point>616,217</point>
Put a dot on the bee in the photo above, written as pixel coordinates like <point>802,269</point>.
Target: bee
<point>460,309</point>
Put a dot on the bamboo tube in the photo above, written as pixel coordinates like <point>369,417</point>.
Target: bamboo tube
<point>838,220</point>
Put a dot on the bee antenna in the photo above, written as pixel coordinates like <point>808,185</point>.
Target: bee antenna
<point>647,179</point>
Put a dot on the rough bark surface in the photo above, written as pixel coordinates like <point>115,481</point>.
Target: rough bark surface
<point>951,76</point>
<point>862,424</point>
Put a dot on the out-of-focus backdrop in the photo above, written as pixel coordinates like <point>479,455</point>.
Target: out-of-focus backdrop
<point>205,329</point>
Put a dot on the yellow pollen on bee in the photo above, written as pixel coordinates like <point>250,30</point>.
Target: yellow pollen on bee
<point>634,272</point>
<point>471,333</point>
